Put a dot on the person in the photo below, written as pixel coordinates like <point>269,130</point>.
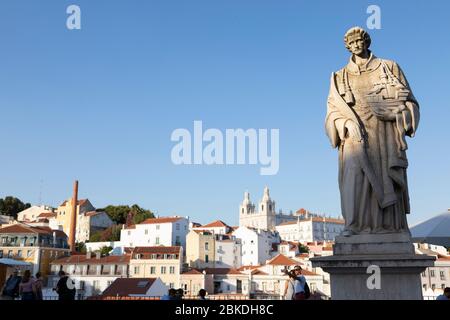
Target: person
<point>371,109</point>
<point>10,290</point>
<point>299,284</point>
<point>202,294</point>
<point>65,288</point>
<point>38,286</point>
<point>26,288</point>
<point>289,288</point>
<point>170,295</point>
<point>179,294</point>
<point>445,295</point>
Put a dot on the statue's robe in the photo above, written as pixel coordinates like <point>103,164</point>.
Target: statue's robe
<point>372,173</point>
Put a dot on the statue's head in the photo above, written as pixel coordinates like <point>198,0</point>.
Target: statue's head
<point>357,40</point>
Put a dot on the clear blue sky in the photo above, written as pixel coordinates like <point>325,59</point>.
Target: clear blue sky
<point>99,104</point>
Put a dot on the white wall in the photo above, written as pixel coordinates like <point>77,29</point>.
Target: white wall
<point>165,234</point>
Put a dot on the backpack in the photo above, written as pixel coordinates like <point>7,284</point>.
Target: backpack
<point>307,291</point>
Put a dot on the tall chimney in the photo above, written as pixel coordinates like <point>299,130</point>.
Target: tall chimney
<point>73,217</point>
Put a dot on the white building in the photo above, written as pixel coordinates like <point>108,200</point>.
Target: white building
<point>216,227</point>
<point>256,244</point>
<point>32,213</point>
<point>228,251</point>
<point>92,274</point>
<point>263,216</point>
<point>309,229</point>
<point>168,231</point>
<point>436,278</point>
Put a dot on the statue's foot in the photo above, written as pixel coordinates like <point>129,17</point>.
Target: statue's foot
<point>347,233</point>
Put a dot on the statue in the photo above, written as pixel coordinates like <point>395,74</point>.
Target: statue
<point>371,109</point>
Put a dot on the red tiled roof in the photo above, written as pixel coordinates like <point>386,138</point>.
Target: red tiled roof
<point>157,250</point>
<point>258,272</point>
<point>80,202</point>
<point>22,228</point>
<point>215,224</point>
<point>92,213</point>
<point>288,223</point>
<point>308,273</point>
<point>192,271</point>
<point>243,268</point>
<point>222,271</point>
<point>443,258</point>
<point>83,259</point>
<point>129,286</point>
<point>161,220</point>
<point>47,215</point>
<point>301,211</point>
<point>282,260</point>
<point>327,220</point>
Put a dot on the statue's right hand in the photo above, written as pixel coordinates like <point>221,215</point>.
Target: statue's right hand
<point>353,131</point>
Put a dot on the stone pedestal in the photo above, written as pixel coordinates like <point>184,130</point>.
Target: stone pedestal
<point>400,268</point>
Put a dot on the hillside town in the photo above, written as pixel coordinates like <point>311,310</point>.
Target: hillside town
<point>248,261</point>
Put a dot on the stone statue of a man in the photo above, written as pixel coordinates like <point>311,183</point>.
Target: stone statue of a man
<point>370,111</point>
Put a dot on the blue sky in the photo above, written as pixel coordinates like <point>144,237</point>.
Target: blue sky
<point>99,104</point>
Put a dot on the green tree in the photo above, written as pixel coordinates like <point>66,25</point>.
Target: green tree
<point>302,248</point>
<point>119,214</point>
<point>80,247</point>
<point>105,250</point>
<point>11,206</point>
<point>95,237</point>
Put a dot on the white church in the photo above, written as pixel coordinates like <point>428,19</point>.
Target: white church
<point>264,216</point>
<point>301,226</point>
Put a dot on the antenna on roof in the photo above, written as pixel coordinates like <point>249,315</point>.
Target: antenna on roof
<point>40,191</point>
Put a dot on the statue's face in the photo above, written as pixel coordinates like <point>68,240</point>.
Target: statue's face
<point>357,45</point>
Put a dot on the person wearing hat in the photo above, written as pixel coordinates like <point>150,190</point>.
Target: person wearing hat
<point>10,290</point>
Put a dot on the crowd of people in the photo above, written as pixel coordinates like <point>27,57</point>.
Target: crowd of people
<point>178,294</point>
<point>29,288</point>
<point>25,287</point>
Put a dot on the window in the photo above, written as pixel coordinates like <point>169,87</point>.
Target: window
<point>136,270</point>
<point>432,273</point>
<point>1,254</point>
<point>177,226</point>
<point>443,286</point>
<point>220,259</point>
<point>146,231</point>
<point>171,285</point>
<point>157,227</point>
<point>95,284</point>
<point>172,270</point>
<point>129,233</point>
<point>163,270</point>
<point>424,287</point>
<point>206,246</point>
<point>177,240</point>
<point>442,275</point>
<point>206,258</point>
<point>152,270</point>
<point>153,256</point>
<point>157,240</point>
<point>10,254</point>
<point>19,253</point>
<point>433,287</point>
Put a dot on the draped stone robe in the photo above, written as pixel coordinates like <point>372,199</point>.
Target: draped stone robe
<point>372,173</point>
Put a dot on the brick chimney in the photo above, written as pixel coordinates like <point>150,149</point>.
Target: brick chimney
<point>73,217</point>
